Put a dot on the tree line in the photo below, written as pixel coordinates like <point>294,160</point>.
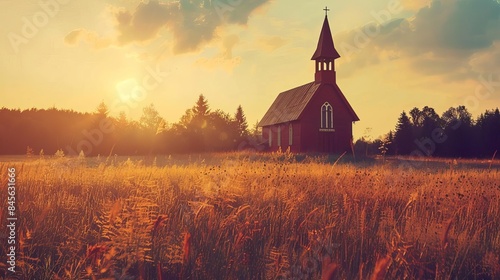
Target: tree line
<point>420,132</point>
<point>423,132</point>
<point>47,131</point>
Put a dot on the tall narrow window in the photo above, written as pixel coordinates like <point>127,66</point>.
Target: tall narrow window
<point>327,116</point>
<point>290,135</point>
<point>279,136</point>
<point>270,137</point>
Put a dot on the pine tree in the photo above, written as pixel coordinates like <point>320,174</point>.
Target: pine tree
<point>200,113</point>
<point>122,121</point>
<point>390,143</point>
<point>102,110</point>
<point>403,136</point>
<point>241,122</point>
<point>201,109</point>
<point>256,131</point>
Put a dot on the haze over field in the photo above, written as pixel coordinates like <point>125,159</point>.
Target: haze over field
<point>396,54</point>
<point>248,216</point>
<point>129,149</point>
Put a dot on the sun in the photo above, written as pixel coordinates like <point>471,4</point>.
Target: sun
<point>125,89</point>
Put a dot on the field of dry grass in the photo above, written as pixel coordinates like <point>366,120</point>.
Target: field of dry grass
<point>240,217</point>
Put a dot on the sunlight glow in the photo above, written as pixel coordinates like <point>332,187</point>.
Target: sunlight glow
<point>126,88</point>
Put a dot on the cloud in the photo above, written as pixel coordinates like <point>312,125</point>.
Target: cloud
<point>456,25</point>
<point>236,11</point>
<point>362,46</point>
<point>193,23</point>
<point>272,43</point>
<point>144,23</point>
<point>439,39</point>
<point>413,5</point>
<point>77,35</point>
<point>228,44</point>
<point>73,37</point>
<point>487,60</point>
<point>224,59</point>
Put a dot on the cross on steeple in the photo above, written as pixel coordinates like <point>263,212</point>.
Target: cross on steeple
<point>326,10</point>
<point>325,54</point>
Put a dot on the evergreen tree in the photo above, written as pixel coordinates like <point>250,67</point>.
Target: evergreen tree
<point>241,122</point>
<point>192,127</point>
<point>102,110</point>
<point>201,109</point>
<point>389,141</point>
<point>256,131</point>
<point>488,127</point>
<point>122,121</point>
<point>200,113</point>
<point>403,137</point>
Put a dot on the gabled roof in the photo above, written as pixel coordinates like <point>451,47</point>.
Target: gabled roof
<point>354,116</point>
<point>325,48</point>
<point>289,105</point>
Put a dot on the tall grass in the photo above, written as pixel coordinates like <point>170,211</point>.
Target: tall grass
<point>242,218</point>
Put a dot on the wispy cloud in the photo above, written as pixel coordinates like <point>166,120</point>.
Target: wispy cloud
<point>272,43</point>
<point>91,38</point>
<point>224,58</point>
<point>487,60</point>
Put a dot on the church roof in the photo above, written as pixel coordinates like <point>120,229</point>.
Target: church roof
<point>290,104</point>
<point>325,48</point>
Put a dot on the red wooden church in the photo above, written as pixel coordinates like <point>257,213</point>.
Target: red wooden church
<point>315,117</point>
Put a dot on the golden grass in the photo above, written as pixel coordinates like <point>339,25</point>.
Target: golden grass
<point>242,218</point>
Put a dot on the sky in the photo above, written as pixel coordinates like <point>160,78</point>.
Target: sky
<point>395,55</point>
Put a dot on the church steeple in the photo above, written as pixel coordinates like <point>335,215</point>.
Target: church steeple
<point>325,55</point>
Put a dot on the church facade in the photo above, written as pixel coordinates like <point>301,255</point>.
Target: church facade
<point>315,117</point>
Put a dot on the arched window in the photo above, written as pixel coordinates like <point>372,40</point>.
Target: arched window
<point>290,135</point>
<point>327,116</point>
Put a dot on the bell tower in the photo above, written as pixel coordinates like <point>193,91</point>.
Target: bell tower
<point>325,55</point>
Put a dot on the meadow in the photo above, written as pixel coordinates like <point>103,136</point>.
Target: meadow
<point>246,216</point>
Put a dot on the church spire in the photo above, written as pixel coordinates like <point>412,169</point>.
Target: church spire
<point>325,54</point>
